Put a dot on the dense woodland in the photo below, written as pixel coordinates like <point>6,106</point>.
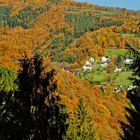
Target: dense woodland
<point>39,100</point>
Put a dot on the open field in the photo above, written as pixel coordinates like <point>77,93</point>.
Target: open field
<point>132,35</point>
<point>123,79</point>
<point>117,52</point>
<point>99,77</point>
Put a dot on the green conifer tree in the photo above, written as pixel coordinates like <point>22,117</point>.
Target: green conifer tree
<point>82,128</point>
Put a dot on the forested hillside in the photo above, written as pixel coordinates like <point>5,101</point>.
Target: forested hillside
<point>73,38</point>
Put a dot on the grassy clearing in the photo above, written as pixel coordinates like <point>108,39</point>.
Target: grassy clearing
<point>100,77</point>
<point>117,52</point>
<point>123,79</point>
<point>105,13</point>
<point>131,34</point>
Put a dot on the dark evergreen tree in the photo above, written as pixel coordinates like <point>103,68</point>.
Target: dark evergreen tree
<point>132,131</point>
<point>34,111</point>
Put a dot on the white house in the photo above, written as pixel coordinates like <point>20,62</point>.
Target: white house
<point>117,70</point>
<point>104,65</point>
<point>91,60</point>
<point>87,67</point>
<point>131,87</point>
<point>105,59</point>
<point>88,63</point>
<point>117,88</point>
<point>128,61</point>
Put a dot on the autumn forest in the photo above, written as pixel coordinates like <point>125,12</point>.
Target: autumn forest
<point>69,71</point>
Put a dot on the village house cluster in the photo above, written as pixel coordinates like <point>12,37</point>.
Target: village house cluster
<point>89,65</point>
